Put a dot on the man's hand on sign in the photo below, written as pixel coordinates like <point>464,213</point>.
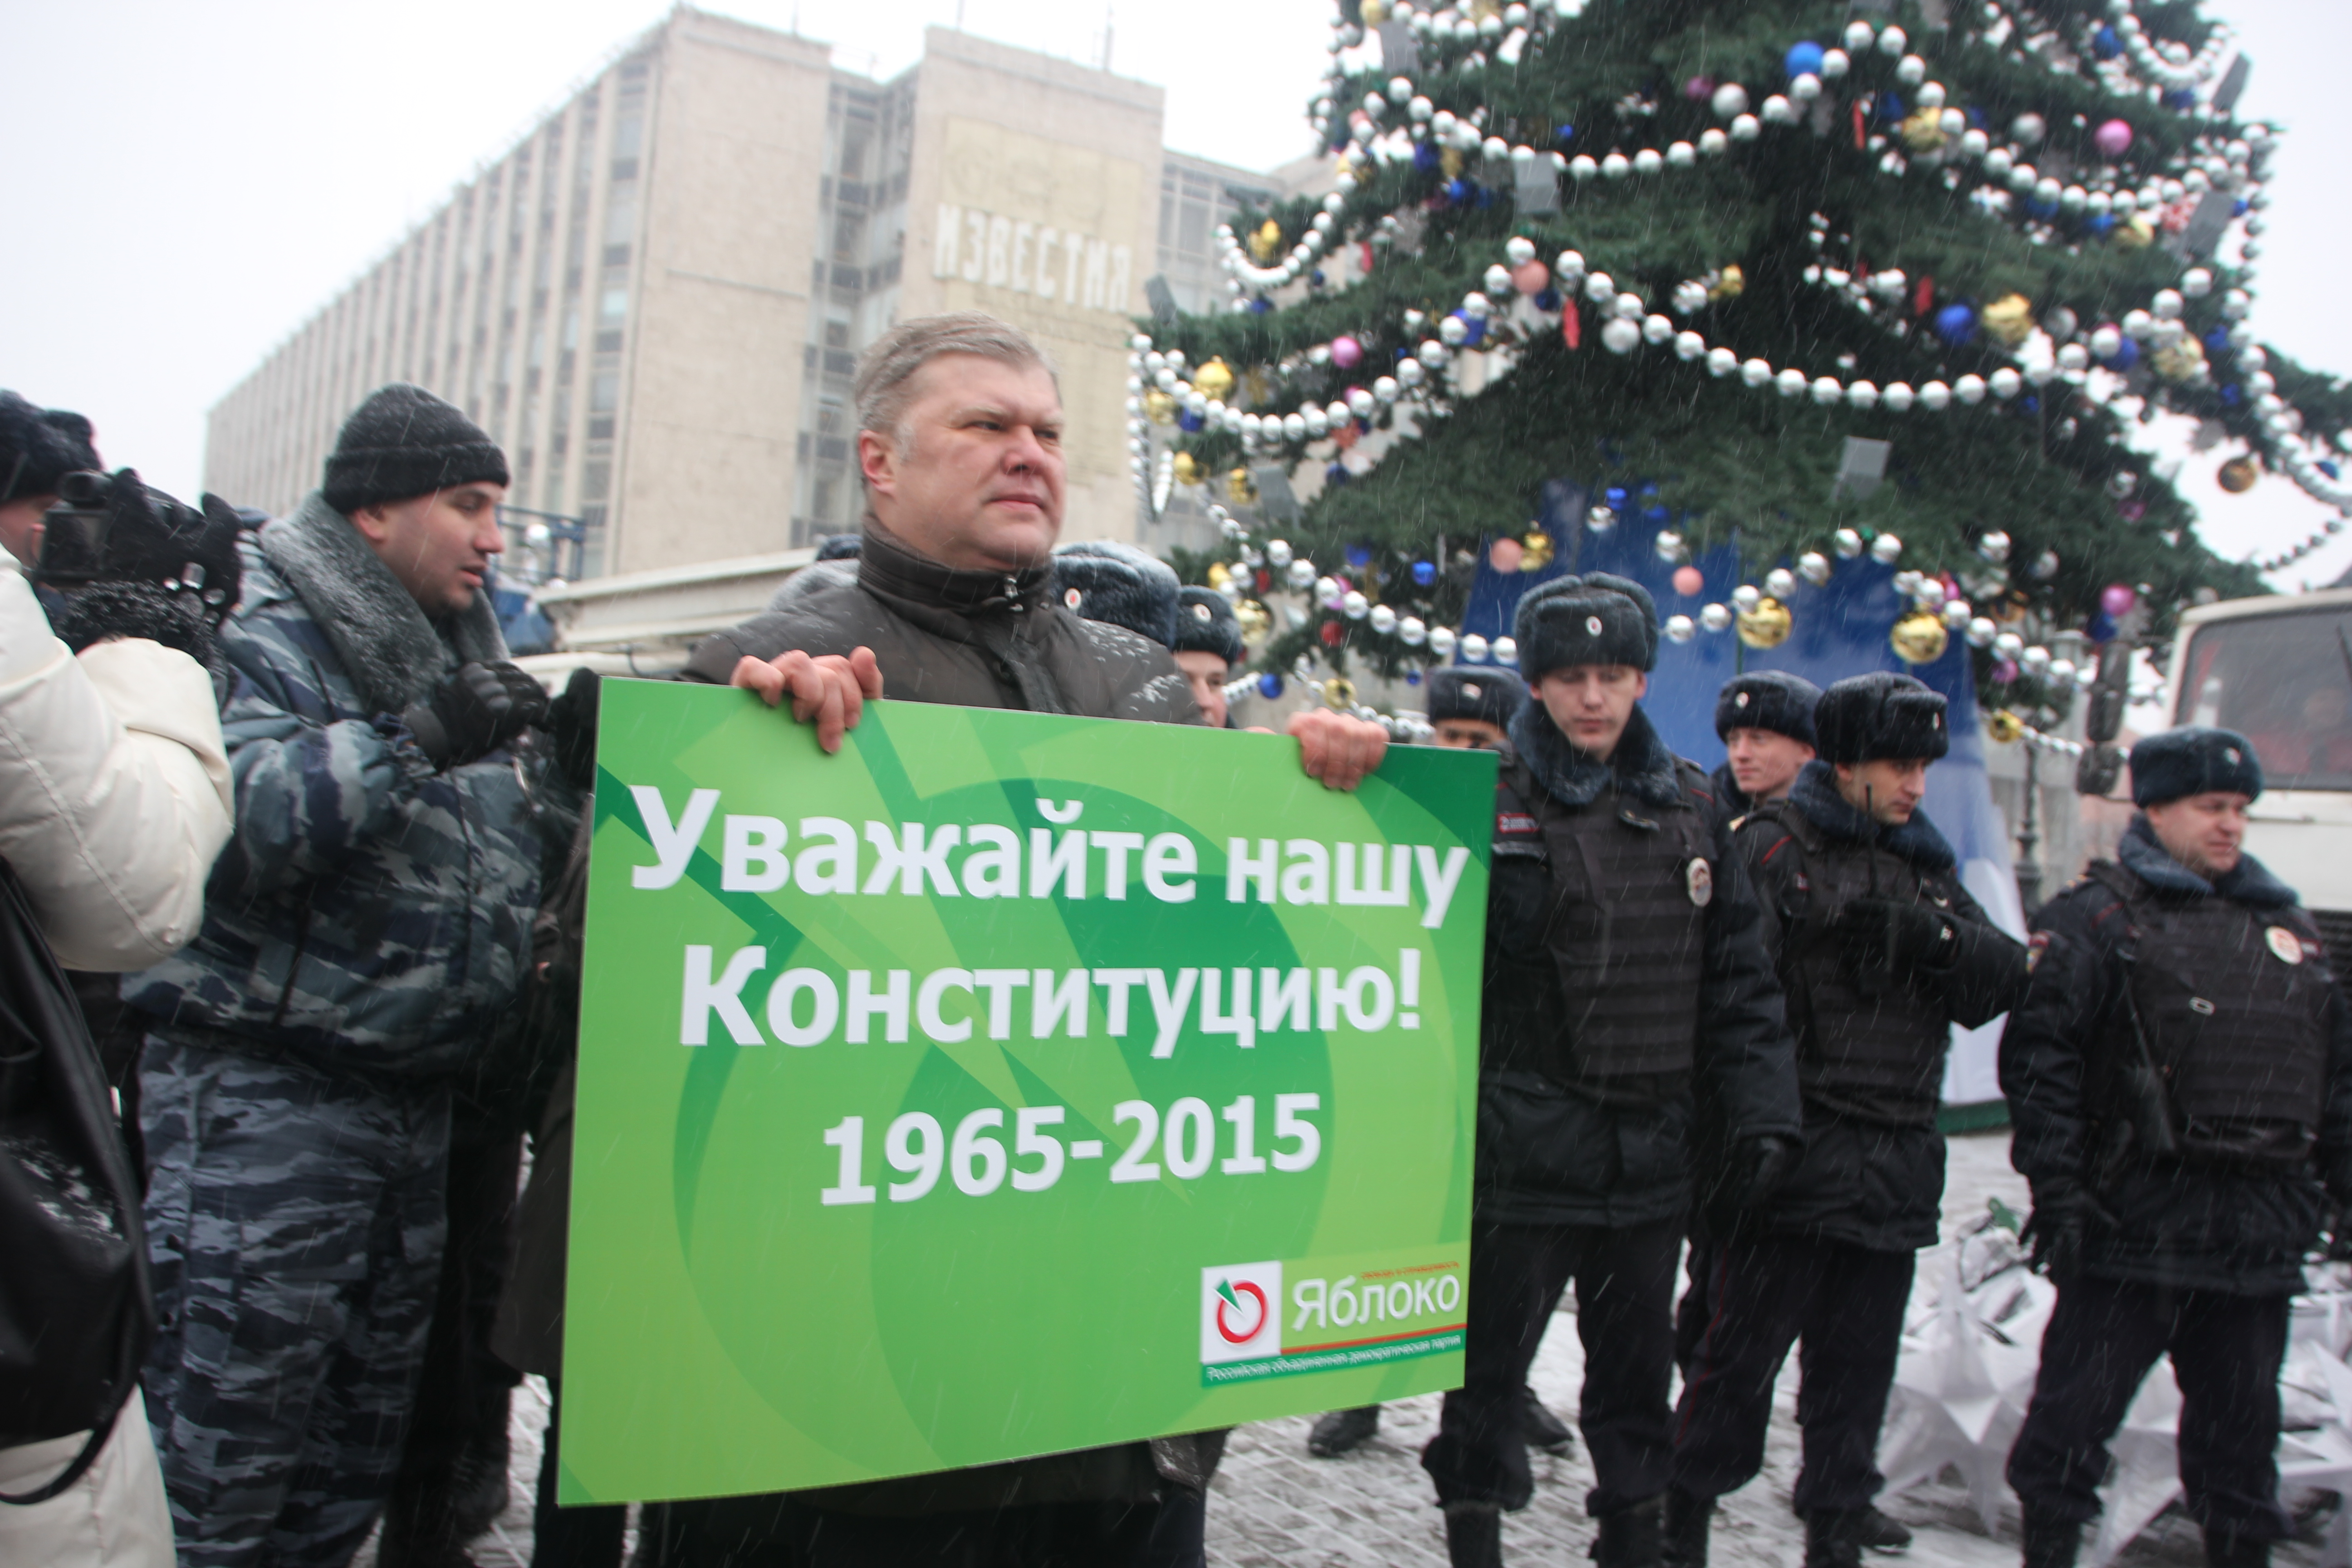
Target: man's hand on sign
<point>1336,748</point>
<point>830,690</point>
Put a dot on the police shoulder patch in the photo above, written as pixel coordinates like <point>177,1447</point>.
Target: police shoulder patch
<point>2035,946</point>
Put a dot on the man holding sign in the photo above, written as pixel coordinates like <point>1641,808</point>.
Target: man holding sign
<point>952,600</point>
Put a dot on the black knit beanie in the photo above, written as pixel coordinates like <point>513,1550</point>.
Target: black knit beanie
<point>2193,760</point>
<point>402,442</point>
<point>1767,699</point>
<point>1867,718</point>
<point>1205,623</point>
<point>1474,691</point>
<point>38,446</point>
<point>1103,580</point>
<point>1598,618</point>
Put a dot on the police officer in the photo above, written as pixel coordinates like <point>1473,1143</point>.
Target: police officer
<point>1625,976</point>
<point>2180,1077</point>
<point>1764,720</point>
<point>1207,645</point>
<point>1880,951</point>
<point>1471,709</point>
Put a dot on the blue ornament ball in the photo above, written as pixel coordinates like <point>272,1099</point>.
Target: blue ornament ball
<point>1804,59</point>
<point>2044,210</point>
<point>1424,155</point>
<point>1316,278</point>
<point>1615,495</point>
<point>1413,678</point>
<point>1890,108</point>
<point>1261,305</point>
<point>1424,572</point>
<point>2330,470</point>
<point>1474,329</point>
<point>1336,475</point>
<point>1269,685</point>
<point>2031,405</point>
<point>1548,300</point>
<point>2101,628</point>
<point>1359,556</point>
<point>2217,342</point>
<point>2231,395</point>
<point>2102,224</point>
<point>1955,324</point>
<point>2127,355</point>
<point>2106,44</point>
<point>1564,134</point>
<point>1189,421</point>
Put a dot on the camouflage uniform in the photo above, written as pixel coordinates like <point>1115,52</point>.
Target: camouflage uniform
<point>368,922</point>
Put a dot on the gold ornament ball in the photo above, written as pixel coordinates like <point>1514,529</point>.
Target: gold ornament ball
<point>1213,379</point>
<point>1923,131</point>
<point>1188,469</point>
<point>2239,474</point>
<point>2138,234</point>
<point>1729,284</point>
<point>2010,320</point>
<point>1919,638</point>
<point>1449,159</point>
<point>1375,12</point>
<point>1339,692</point>
<point>2184,360</point>
<point>1239,489</point>
<point>1537,547</point>
<point>1267,243</point>
<point>2005,727</point>
<point>1254,619</point>
<point>1219,576</point>
<point>1159,407</point>
<point>1766,626</point>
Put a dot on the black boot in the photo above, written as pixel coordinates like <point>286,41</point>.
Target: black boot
<point>1833,1538</point>
<point>1541,1428</point>
<point>1340,1430</point>
<point>1632,1537</point>
<point>2227,1549</point>
<point>478,1484</point>
<point>1685,1531</point>
<point>1473,1535</point>
<point>1880,1533</point>
<point>2050,1542</point>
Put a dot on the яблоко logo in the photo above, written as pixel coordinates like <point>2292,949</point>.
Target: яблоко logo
<point>1241,1312</point>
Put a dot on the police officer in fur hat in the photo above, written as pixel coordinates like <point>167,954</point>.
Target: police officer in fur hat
<point>1119,586</point>
<point>1207,645</point>
<point>1472,709</point>
<point>2180,1077</point>
<point>1626,980</point>
<point>38,447</point>
<point>1880,951</point>
<point>1764,720</point>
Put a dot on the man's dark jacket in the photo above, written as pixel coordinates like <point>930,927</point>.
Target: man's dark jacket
<point>1616,1153</point>
<point>2191,1222</point>
<point>979,639</point>
<point>976,640</point>
<point>1872,1173</point>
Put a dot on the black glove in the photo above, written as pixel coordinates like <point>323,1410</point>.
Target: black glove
<point>2063,1212</point>
<point>478,710</point>
<point>1760,1165</point>
<point>571,721</point>
<point>1890,937</point>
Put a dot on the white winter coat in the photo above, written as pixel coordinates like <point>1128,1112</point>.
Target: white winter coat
<point>114,786</point>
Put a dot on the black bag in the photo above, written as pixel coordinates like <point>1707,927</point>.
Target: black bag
<point>76,1311</point>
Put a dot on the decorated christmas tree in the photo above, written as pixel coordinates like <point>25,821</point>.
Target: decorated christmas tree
<point>1750,291</point>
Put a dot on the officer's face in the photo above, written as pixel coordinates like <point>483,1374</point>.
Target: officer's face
<point>439,545</point>
<point>2206,833</point>
<point>1589,703</point>
<point>1890,791</point>
<point>1764,763</point>
<point>1469,735</point>
<point>1206,674</point>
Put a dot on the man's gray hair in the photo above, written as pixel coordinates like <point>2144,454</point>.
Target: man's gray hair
<point>886,374</point>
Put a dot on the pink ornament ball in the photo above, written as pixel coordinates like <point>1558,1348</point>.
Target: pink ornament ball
<point>2004,670</point>
<point>2118,600</point>
<point>1700,89</point>
<point>2113,139</point>
<point>1347,353</point>
<point>1689,581</point>
<point>1504,554</point>
<point>1531,277</point>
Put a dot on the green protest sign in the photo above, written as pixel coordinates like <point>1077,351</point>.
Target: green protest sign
<point>1003,1085</point>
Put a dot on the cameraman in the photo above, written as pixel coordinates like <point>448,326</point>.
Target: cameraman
<point>370,922</point>
<point>114,799</point>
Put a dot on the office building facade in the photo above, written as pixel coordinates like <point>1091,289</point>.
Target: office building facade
<point>655,301</point>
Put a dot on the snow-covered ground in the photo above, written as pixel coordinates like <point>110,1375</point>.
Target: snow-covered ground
<point>1273,1506</point>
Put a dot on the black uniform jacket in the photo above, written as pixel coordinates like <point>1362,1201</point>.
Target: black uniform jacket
<point>2189,1221</point>
<point>1619,1152</point>
<point>1873,1169</point>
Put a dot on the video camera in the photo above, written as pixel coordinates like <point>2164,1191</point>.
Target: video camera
<point>111,527</point>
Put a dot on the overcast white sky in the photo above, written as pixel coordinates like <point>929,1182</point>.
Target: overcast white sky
<point>185,183</point>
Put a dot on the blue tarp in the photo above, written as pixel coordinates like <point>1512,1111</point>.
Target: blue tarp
<point>1838,629</point>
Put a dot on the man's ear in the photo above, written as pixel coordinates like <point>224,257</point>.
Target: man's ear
<point>1640,684</point>
<point>877,460</point>
<point>374,523</point>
